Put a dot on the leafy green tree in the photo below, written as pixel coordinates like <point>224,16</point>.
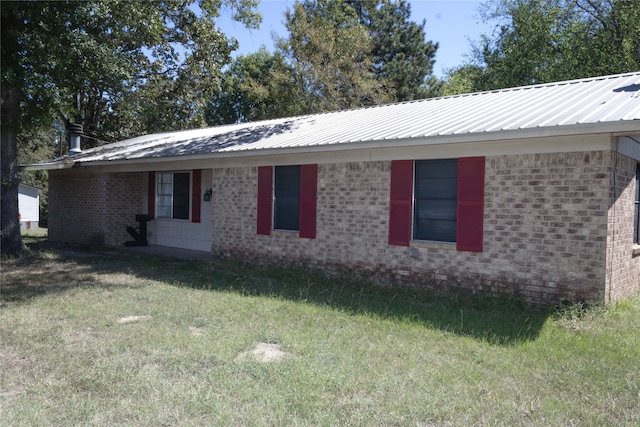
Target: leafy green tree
<point>257,86</point>
<point>339,54</point>
<point>330,51</point>
<point>401,52</point>
<point>35,144</point>
<point>98,63</point>
<point>463,79</point>
<point>539,41</point>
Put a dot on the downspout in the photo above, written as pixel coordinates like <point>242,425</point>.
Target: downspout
<point>75,132</point>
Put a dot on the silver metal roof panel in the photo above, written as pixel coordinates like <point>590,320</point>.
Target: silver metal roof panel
<point>591,101</point>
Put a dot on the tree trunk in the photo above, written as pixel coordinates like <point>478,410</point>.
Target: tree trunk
<point>11,241</point>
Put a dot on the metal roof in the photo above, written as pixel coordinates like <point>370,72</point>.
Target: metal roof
<point>599,104</point>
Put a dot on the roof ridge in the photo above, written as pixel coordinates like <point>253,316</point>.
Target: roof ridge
<point>560,83</point>
<point>467,94</point>
<point>388,104</point>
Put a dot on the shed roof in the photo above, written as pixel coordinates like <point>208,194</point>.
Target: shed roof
<point>23,186</point>
<point>592,105</point>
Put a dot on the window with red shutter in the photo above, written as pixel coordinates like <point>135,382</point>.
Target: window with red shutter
<point>442,199</point>
<point>265,199</point>
<point>401,195</point>
<point>308,200</point>
<point>151,195</point>
<point>287,199</point>
<point>470,204</point>
<point>196,178</point>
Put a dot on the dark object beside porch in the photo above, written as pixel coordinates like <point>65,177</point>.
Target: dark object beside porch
<point>140,237</point>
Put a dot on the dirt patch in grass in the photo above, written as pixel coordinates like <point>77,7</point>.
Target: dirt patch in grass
<point>195,331</point>
<point>132,319</point>
<point>264,352</point>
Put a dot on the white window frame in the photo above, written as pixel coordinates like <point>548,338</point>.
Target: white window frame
<point>166,210</point>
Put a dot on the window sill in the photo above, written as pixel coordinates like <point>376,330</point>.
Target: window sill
<point>291,233</point>
<point>635,251</point>
<point>428,244</point>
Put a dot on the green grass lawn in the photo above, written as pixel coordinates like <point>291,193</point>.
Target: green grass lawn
<point>351,353</point>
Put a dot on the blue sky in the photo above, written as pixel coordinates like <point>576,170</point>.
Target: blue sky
<point>451,23</point>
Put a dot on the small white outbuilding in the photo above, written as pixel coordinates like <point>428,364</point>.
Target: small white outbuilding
<point>28,206</point>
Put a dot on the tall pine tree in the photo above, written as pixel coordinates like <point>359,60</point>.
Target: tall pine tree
<point>402,53</point>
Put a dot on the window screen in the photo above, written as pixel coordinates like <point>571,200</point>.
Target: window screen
<point>172,200</point>
<point>164,195</point>
<point>287,198</point>
<point>435,200</point>
<point>181,195</point>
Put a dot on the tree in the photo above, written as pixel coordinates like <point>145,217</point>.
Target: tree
<point>99,63</point>
<point>35,144</point>
<point>462,79</point>
<point>401,52</point>
<point>339,54</point>
<point>331,53</point>
<point>541,41</point>
<point>257,86</point>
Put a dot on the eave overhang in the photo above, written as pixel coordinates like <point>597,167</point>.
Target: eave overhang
<point>512,136</point>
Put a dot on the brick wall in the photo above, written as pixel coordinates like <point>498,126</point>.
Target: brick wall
<point>124,200</point>
<point>545,227</point>
<point>547,222</point>
<point>350,224</point>
<point>93,208</point>
<point>76,207</point>
<point>623,266</point>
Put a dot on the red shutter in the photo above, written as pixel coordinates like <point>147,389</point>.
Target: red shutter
<point>151,195</point>
<point>308,197</point>
<point>400,202</point>
<point>196,194</point>
<point>265,199</point>
<point>470,204</point>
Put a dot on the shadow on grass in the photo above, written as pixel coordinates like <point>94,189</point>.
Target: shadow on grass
<point>498,320</point>
<point>47,268</point>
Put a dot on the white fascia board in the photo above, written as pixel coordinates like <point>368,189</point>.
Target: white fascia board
<point>581,137</point>
<point>382,153</point>
<point>48,166</point>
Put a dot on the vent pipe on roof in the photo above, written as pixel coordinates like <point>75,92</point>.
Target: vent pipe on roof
<point>75,131</point>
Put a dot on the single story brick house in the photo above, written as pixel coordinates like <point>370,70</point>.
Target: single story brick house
<point>532,190</point>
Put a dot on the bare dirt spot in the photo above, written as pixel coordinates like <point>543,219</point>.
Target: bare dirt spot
<point>264,352</point>
<point>131,319</point>
<point>195,331</point>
